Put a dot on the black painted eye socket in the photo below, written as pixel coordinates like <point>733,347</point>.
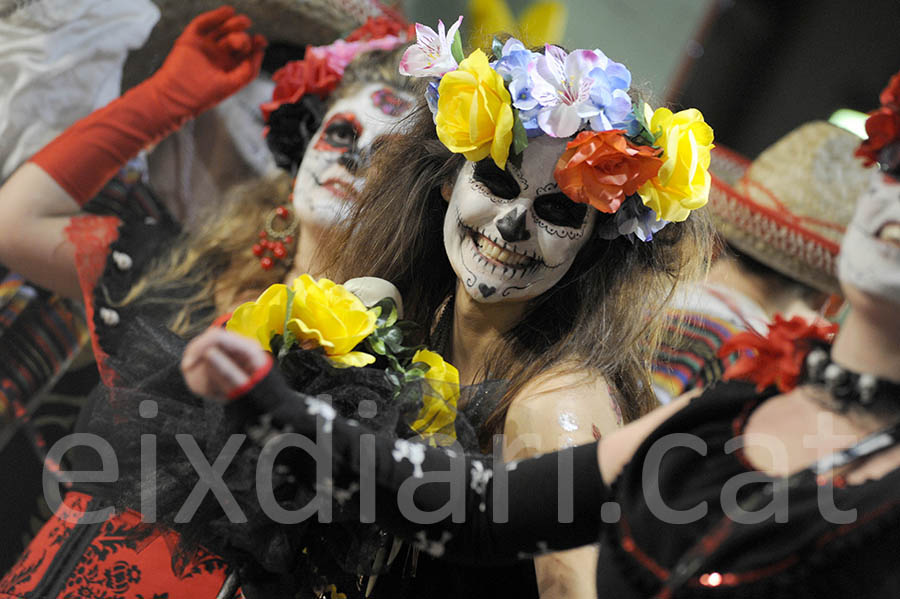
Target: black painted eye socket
<point>340,133</point>
<point>558,209</point>
<point>500,183</point>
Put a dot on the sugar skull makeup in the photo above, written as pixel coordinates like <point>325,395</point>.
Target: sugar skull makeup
<point>512,235</point>
<point>870,251</point>
<point>332,167</point>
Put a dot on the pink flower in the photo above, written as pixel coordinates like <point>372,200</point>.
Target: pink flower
<point>432,55</point>
<point>339,54</point>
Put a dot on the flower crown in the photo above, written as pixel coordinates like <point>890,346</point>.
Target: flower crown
<point>647,167</point>
<point>297,107</point>
<point>883,129</point>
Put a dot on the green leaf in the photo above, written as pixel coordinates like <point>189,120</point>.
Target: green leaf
<point>392,314</point>
<point>287,313</point>
<point>393,378</point>
<point>456,48</point>
<point>423,366</point>
<point>414,374</point>
<point>377,345</point>
<point>288,341</point>
<point>395,364</point>
<point>497,48</point>
<point>386,313</point>
<point>645,136</point>
<point>516,160</point>
<point>393,338</point>
<point>520,137</point>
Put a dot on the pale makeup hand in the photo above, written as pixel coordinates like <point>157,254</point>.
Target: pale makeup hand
<point>217,363</point>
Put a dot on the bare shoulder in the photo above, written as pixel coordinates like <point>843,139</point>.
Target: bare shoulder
<point>562,408</point>
<point>617,449</point>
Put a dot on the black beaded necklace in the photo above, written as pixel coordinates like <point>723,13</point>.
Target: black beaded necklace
<point>846,386</point>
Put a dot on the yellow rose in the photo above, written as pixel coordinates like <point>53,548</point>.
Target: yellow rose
<point>330,317</point>
<point>262,319</point>
<point>683,181</point>
<point>474,115</point>
<point>438,415</point>
<point>322,314</point>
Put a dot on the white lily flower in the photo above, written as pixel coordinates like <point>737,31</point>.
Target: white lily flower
<point>432,55</point>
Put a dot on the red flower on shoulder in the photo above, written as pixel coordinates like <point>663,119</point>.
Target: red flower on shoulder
<point>883,129</point>
<point>776,359</point>
<point>311,75</point>
<point>378,27</point>
<point>890,97</point>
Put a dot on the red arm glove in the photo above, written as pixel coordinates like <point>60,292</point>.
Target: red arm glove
<point>213,58</point>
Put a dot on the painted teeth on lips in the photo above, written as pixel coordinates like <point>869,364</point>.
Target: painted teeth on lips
<point>890,232</point>
<point>491,250</point>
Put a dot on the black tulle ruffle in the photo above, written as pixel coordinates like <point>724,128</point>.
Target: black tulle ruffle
<point>296,554</point>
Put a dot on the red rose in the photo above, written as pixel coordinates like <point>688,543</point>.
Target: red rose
<point>890,97</point>
<point>378,27</point>
<point>883,128</point>
<point>312,75</point>
<point>601,168</point>
<point>776,359</point>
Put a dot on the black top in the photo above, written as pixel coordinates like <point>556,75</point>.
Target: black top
<point>806,556</point>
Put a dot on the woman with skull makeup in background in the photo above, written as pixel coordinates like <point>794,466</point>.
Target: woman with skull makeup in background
<point>549,286</point>
<point>147,285</point>
<point>781,488</point>
<point>327,145</point>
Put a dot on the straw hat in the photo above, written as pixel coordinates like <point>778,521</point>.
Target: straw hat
<point>298,22</point>
<point>789,208</point>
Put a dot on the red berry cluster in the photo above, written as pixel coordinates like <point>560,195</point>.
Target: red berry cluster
<point>275,246</point>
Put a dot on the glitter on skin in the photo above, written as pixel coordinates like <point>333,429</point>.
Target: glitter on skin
<point>567,422</point>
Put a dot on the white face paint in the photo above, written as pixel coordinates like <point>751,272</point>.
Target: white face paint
<point>331,170</point>
<point>870,250</point>
<point>512,235</point>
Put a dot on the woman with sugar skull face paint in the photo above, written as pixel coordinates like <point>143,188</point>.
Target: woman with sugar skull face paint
<point>804,504</point>
<point>327,146</point>
<point>511,235</point>
<point>526,233</point>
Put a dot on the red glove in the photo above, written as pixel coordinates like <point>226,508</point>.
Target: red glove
<point>213,58</point>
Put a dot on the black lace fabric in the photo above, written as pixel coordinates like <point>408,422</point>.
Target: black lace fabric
<point>151,404</point>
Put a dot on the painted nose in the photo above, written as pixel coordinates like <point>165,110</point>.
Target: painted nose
<point>351,160</point>
<point>512,226</point>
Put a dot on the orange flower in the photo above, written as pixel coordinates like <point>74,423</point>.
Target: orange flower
<point>776,359</point>
<point>602,168</point>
